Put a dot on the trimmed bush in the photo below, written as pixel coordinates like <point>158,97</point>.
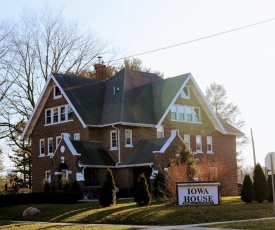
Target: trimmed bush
<point>107,196</point>
<point>142,195</point>
<point>76,189</point>
<point>247,194</point>
<point>260,184</point>
<point>38,198</point>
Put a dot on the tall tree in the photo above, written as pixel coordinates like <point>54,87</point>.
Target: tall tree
<point>217,97</point>
<point>41,42</point>
<point>142,194</point>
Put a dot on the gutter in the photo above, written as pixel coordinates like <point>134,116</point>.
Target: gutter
<point>118,143</point>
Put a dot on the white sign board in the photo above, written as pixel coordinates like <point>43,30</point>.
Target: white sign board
<point>198,193</point>
<point>268,161</point>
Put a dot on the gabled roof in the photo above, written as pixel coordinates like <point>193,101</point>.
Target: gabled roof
<point>128,98</point>
<point>93,154</point>
<point>142,154</point>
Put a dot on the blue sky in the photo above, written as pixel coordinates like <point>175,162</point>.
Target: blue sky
<point>242,61</point>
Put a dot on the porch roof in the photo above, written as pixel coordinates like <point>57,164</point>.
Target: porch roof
<point>93,153</point>
<point>143,151</point>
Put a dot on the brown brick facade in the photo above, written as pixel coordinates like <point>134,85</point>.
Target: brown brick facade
<point>224,146</point>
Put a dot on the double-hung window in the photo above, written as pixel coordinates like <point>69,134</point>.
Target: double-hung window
<point>160,131</point>
<point>198,144</point>
<point>113,139</point>
<point>174,112</point>
<point>48,175</point>
<point>50,146</point>
<point>186,140</point>
<point>48,118</point>
<point>128,138</point>
<point>42,147</point>
<point>77,136</point>
<point>209,144</point>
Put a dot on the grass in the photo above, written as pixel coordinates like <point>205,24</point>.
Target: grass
<point>127,212</point>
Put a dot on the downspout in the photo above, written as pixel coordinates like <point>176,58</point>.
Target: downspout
<point>118,143</point>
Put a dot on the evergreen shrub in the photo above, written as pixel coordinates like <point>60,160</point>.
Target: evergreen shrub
<point>142,195</point>
<point>260,184</point>
<point>247,193</point>
<point>107,196</point>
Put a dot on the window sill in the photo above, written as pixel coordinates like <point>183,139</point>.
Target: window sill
<point>129,146</point>
<point>199,152</point>
<point>42,155</point>
<point>56,123</point>
<point>210,152</point>
<point>50,154</point>
<point>113,149</point>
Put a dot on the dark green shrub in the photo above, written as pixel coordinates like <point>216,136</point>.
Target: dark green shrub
<point>46,186</point>
<point>142,195</point>
<point>260,184</point>
<point>269,183</point>
<point>38,198</point>
<point>76,188</point>
<point>107,196</point>
<point>247,193</point>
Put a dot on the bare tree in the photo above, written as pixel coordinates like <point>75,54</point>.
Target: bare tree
<point>43,42</point>
<point>217,97</point>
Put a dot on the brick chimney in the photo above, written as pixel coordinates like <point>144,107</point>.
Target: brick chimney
<point>100,70</point>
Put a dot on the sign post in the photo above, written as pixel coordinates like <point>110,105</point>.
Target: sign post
<point>269,164</point>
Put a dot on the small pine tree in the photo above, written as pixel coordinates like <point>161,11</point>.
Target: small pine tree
<point>107,196</point>
<point>76,188</point>
<point>188,158</point>
<point>142,195</point>
<point>247,194</point>
<point>269,183</point>
<point>260,184</point>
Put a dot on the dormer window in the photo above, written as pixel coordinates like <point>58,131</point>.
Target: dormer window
<point>185,92</point>
<point>56,92</point>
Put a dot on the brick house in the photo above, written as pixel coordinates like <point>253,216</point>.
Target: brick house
<point>81,126</point>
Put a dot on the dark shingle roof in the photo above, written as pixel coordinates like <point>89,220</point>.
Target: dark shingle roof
<point>93,153</point>
<point>85,94</point>
<point>143,151</point>
<point>230,129</point>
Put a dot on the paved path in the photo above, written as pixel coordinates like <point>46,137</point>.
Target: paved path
<point>174,227</point>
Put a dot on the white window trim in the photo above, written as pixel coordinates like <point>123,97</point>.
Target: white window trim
<point>77,136</point>
<point>111,140</point>
<point>48,175</point>
<point>58,115</point>
<point>54,93</point>
<point>187,136</point>
<point>131,138</point>
<point>187,96</point>
<point>200,150</point>
<point>50,153</point>
<point>211,143</point>
<point>185,114</point>
<point>40,145</point>
<point>160,130</point>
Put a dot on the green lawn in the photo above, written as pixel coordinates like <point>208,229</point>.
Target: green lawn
<point>127,212</point>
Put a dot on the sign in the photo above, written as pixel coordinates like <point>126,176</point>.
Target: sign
<point>197,193</point>
<point>268,160</point>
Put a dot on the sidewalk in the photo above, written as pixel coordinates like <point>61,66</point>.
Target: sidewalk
<point>173,227</point>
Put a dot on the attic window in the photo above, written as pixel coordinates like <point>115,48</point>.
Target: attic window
<point>185,92</point>
<point>56,92</point>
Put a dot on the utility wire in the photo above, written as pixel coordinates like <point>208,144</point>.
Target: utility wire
<point>195,40</point>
